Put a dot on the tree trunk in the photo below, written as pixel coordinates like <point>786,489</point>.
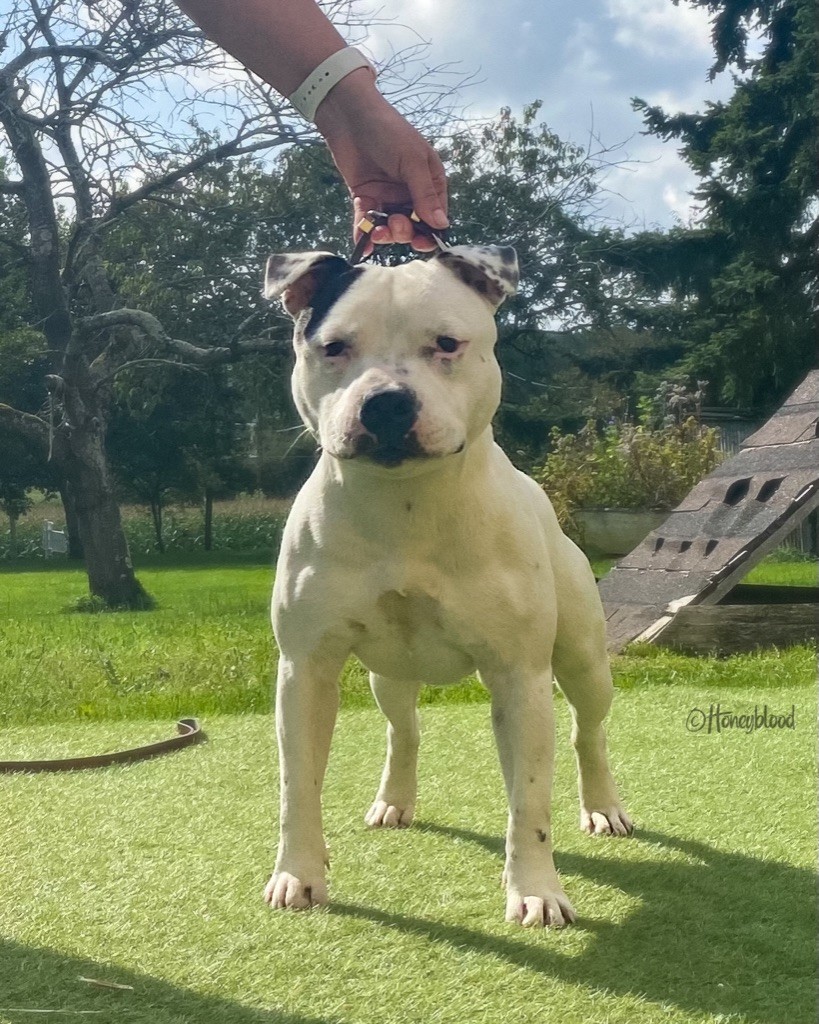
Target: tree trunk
<point>12,536</point>
<point>156,515</point>
<point>208,519</point>
<point>80,452</point>
<point>107,559</point>
<point>72,528</point>
<point>79,439</point>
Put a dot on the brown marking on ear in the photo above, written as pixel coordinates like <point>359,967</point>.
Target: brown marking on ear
<point>295,276</point>
<point>297,296</point>
<point>507,275</point>
<point>490,270</point>
<point>474,277</point>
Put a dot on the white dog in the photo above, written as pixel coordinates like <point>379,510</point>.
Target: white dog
<point>418,547</point>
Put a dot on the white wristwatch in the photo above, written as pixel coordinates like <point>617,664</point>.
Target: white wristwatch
<point>318,83</point>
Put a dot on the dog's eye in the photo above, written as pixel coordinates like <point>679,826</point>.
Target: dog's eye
<point>447,344</point>
<point>335,348</point>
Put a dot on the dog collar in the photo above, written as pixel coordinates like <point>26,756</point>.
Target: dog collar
<point>378,218</point>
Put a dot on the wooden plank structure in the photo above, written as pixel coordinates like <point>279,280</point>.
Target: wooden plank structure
<point>679,587</point>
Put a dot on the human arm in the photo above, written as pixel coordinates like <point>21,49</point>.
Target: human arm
<point>382,158</point>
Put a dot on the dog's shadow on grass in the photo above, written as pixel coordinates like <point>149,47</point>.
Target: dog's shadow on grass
<point>43,984</point>
<point>714,933</point>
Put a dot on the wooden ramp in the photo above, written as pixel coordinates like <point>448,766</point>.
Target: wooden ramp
<point>726,524</point>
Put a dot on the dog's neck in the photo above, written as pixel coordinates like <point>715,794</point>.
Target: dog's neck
<point>431,491</point>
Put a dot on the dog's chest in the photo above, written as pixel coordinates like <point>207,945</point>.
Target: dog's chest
<point>410,635</point>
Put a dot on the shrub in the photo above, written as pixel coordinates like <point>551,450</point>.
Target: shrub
<point>649,465</point>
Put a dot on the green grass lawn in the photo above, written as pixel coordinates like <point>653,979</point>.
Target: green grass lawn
<point>207,648</point>
<point>774,571</point>
<point>151,875</point>
<point>790,574</point>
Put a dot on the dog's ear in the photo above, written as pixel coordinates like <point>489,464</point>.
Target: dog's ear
<point>492,270</point>
<point>297,276</point>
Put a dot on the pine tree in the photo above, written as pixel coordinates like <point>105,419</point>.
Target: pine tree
<point>745,276</point>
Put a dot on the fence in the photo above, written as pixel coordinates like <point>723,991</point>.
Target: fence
<point>55,542</point>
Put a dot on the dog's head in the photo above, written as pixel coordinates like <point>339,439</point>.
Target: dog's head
<point>395,365</point>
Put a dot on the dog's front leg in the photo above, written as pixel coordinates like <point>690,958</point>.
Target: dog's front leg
<point>523,721</point>
<point>306,707</point>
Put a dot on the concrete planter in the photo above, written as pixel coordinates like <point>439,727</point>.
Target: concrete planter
<point>616,531</point>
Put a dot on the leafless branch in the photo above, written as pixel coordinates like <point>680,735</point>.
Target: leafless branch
<point>154,333</point>
<point>145,362</point>
<point>223,354</point>
<point>31,56</point>
<point>25,423</point>
<point>105,105</point>
<point>213,155</point>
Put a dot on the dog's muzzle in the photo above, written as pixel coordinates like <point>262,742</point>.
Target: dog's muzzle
<point>388,417</point>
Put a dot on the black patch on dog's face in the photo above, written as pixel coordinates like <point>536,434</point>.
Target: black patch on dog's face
<point>334,280</point>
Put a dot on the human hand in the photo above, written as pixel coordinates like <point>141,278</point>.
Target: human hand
<point>384,161</point>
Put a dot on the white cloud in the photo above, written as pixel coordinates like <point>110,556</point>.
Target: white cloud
<point>688,95</point>
<point>653,184</point>
<point>584,62</point>
<point>400,25</point>
<point>658,28</point>
<point>436,17</point>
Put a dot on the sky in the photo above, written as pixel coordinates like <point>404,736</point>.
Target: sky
<point>584,59</point>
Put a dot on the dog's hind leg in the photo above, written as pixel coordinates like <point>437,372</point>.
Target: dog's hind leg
<point>582,670</point>
<point>394,803</point>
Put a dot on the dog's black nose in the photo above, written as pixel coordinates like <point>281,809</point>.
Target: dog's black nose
<point>389,415</point>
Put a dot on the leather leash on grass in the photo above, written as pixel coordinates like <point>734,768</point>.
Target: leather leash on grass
<point>190,733</point>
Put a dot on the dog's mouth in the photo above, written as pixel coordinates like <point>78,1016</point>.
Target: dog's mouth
<point>391,452</point>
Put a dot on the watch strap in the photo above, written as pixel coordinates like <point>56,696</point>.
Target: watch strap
<point>314,88</point>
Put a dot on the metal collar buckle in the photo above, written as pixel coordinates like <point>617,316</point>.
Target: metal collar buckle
<point>378,218</point>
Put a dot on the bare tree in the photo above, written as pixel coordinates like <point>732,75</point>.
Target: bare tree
<point>105,104</point>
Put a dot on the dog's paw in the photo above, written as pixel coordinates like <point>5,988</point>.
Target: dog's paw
<point>547,910</point>
<point>286,890</point>
<point>601,812</point>
<point>383,814</point>
<point>609,820</point>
